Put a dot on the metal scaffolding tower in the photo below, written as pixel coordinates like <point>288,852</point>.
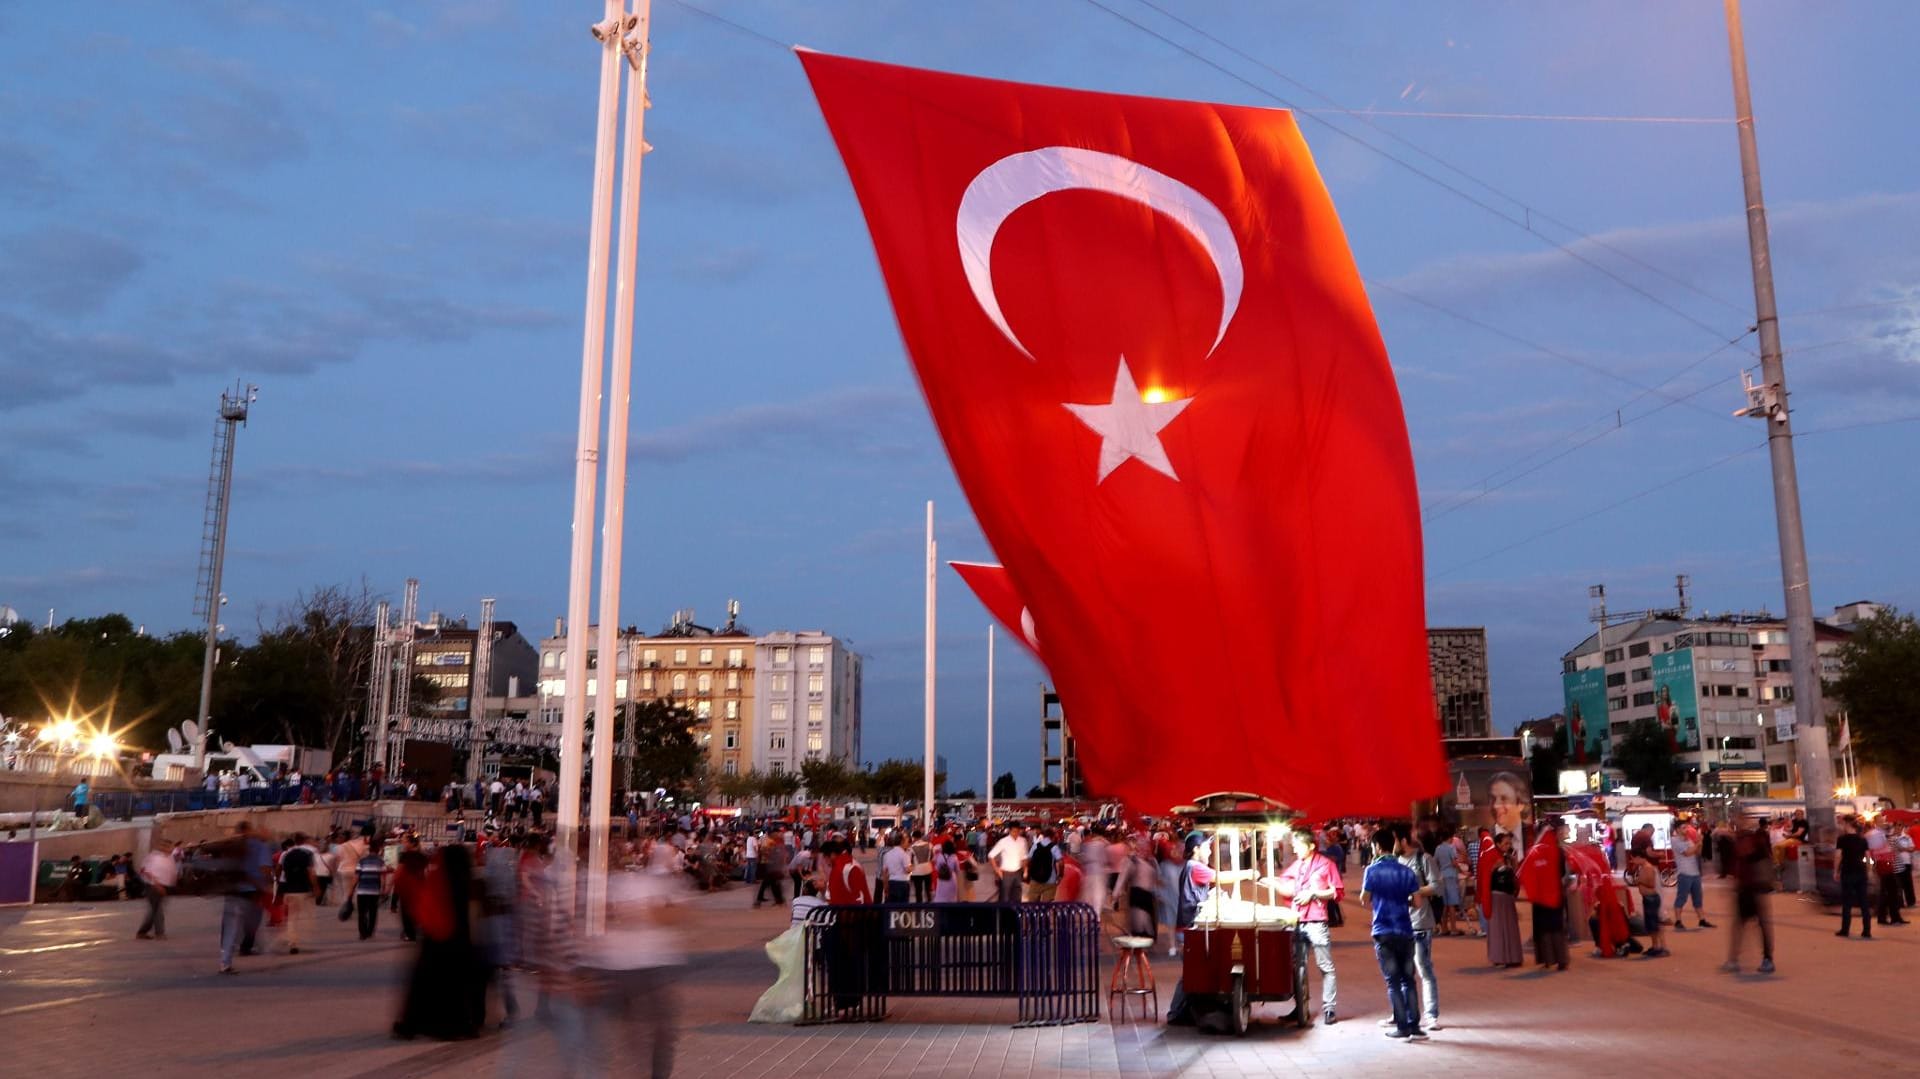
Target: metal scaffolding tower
<point>380,685</point>
<point>477,688</point>
<point>213,549</point>
<point>403,672</point>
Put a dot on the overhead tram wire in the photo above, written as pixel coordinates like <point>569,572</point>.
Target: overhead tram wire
<point>1524,223</point>
<point>1618,422</point>
<point>1608,508</point>
<point>784,46</point>
<point>1663,485</point>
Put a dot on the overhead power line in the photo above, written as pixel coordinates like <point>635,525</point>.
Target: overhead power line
<point>1524,221</point>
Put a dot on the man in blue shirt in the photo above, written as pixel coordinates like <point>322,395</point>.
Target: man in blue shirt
<point>1392,888</point>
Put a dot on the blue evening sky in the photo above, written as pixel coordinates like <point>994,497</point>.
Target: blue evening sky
<point>378,213</point>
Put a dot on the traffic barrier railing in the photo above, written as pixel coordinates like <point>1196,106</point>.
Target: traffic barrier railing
<point>1045,955</point>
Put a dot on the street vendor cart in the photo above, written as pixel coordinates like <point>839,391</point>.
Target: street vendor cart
<point>1241,948</point>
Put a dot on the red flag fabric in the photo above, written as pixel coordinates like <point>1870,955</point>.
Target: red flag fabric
<point>994,589</point>
<point>1152,363</point>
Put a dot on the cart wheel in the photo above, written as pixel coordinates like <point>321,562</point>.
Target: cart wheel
<point>1669,876</point>
<point>1240,1016</point>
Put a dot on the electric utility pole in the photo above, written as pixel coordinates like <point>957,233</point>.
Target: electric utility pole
<point>1768,403</point>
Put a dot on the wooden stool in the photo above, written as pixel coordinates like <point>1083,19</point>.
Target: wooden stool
<point>1133,977</point>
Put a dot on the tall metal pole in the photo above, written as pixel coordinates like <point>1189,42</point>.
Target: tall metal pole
<point>479,684</point>
<point>932,561</point>
<point>233,415</point>
<point>1810,722</point>
<point>380,693</point>
<point>633,44</point>
<point>573,724</point>
<point>990,776</point>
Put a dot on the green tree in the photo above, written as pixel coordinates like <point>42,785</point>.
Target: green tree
<point>103,669</point>
<point>1879,684</point>
<point>778,787</point>
<point>964,794</point>
<point>1645,755</point>
<point>1005,787</point>
<point>827,780</point>
<point>1044,790</point>
<point>737,787</point>
<point>660,735</point>
<point>893,781</point>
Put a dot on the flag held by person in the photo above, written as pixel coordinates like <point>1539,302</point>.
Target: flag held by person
<point>1154,367</point>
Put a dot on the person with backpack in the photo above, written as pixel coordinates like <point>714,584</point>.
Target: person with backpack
<point>1043,871</point>
<point>946,873</point>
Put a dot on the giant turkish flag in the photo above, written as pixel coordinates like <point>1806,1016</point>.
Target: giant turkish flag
<point>1149,354</point>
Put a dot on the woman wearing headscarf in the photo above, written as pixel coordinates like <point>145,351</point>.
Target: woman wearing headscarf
<point>1543,876</point>
<point>446,996</point>
<point>1498,888</point>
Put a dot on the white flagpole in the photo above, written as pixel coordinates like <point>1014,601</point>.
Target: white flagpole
<point>573,725</point>
<point>932,556</point>
<point>633,44</point>
<point>990,776</point>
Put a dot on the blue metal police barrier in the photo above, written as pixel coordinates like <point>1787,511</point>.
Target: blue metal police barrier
<point>1045,955</point>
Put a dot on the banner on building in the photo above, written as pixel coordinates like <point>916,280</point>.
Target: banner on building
<point>1676,701</point>
<point>1586,708</point>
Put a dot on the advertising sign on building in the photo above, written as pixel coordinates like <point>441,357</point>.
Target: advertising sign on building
<point>1586,708</point>
<point>1676,702</point>
<point>1783,729</point>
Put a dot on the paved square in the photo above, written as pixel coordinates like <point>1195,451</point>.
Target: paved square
<point>78,995</point>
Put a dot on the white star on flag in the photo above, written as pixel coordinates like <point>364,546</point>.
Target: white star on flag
<point>1129,428</point>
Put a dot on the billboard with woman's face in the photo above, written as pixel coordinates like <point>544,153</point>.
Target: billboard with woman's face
<point>1491,792</point>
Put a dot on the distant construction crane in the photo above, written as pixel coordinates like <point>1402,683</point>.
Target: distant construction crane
<point>213,549</point>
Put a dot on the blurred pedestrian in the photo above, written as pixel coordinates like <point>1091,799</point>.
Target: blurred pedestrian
<point>446,993</point>
<point>1852,875</point>
<point>298,883</point>
<point>160,873</point>
<point>628,973</point>
<point>371,882</point>
<point>1753,882</point>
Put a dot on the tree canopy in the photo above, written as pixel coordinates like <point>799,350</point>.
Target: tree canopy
<point>1879,684</point>
<point>1645,755</point>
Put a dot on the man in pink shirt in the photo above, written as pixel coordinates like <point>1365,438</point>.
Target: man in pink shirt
<point>1309,882</point>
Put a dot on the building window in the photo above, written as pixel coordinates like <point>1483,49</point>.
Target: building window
<point>733,679</point>
<point>703,709</point>
<point>679,656</point>
<point>1777,773</point>
<point>1742,691</point>
<point>620,661</point>
<point>1619,679</point>
<point>1643,674</point>
<point>816,655</point>
<point>593,661</point>
<point>814,714</point>
<point>650,657</point>
<point>816,684</point>
<point>1616,704</point>
<point>1614,655</point>
<point>782,655</point>
<point>777,741</point>
<point>736,657</point>
<point>733,710</point>
<point>550,660</point>
<point>815,741</point>
<point>731,767</point>
<point>679,681</point>
<point>778,767</point>
<point>777,711</point>
<point>732,739</point>
<point>704,684</point>
<point>593,687</point>
<point>619,687</point>
<point>1641,700</point>
<point>646,681</point>
<point>1637,650</point>
<point>781,683</point>
<point>706,655</point>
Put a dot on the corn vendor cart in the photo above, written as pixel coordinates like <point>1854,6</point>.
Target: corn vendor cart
<point>1241,948</point>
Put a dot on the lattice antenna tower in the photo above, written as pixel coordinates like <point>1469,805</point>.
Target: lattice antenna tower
<point>213,548</point>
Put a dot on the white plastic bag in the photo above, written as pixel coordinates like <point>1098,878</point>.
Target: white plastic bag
<point>783,1002</point>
